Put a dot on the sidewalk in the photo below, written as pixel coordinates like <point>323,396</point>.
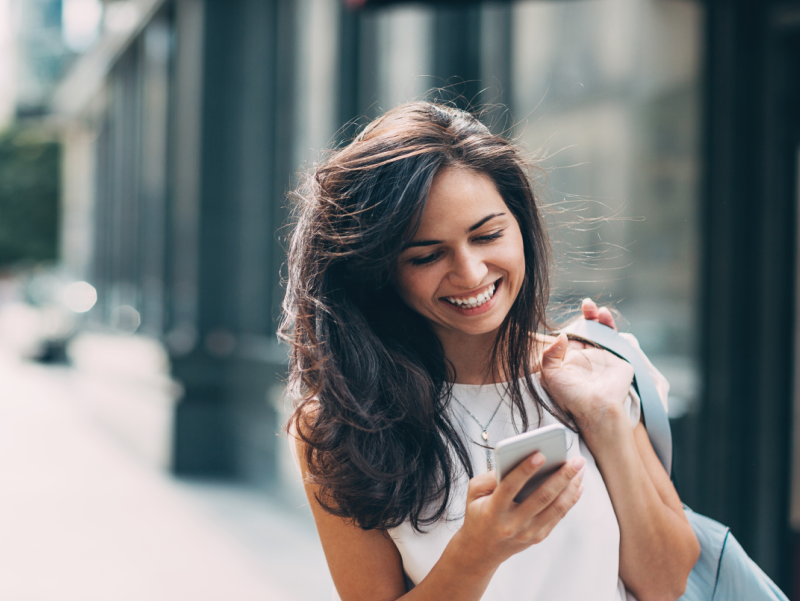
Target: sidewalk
<point>83,519</point>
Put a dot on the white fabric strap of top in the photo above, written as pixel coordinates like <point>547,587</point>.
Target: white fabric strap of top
<point>653,413</point>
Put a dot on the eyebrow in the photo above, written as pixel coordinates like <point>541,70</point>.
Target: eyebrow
<point>484,220</point>
<point>472,228</point>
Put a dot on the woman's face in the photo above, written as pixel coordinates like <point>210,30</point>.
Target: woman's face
<point>466,264</point>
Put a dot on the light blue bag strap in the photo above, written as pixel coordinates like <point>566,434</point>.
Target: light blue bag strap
<point>724,572</point>
<point>653,413</point>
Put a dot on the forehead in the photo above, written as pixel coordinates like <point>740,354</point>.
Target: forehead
<point>459,198</point>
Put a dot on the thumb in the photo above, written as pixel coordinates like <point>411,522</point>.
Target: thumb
<point>482,485</point>
<point>554,355</point>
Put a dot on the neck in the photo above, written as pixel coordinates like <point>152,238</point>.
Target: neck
<point>471,356</point>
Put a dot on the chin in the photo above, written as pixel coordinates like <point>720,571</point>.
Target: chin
<point>476,329</point>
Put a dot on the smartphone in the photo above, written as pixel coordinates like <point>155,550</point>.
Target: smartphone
<point>551,441</point>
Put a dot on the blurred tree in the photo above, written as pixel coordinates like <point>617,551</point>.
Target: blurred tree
<point>29,162</point>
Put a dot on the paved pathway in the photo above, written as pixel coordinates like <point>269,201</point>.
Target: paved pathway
<point>83,519</point>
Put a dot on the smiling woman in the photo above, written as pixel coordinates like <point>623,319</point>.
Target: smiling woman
<point>466,259</point>
<point>418,282</point>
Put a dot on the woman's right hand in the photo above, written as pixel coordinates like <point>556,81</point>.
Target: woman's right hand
<point>495,527</point>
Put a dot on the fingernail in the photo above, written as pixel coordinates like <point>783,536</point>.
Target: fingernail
<point>578,462</point>
<point>581,489</point>
<point>581,473</point>
<point>537,460</point>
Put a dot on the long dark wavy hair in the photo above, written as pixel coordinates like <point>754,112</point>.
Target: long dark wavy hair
<point>371,380</point>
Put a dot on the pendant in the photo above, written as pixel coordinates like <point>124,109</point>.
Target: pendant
<point>489,464</point>
<point>485,435</point>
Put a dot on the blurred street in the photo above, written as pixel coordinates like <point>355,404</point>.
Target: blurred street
<point>149,150</point>
<point>83,518</point>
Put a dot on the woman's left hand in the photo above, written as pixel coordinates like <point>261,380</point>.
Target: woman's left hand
<point>590,383</point>
<point>658,547</point>
<point>592,312</point>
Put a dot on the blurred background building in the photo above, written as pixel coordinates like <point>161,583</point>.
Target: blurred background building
<point>669,136</point>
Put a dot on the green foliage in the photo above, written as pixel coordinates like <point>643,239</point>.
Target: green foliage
<point>28,197</point>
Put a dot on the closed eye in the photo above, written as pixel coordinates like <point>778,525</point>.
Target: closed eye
<point>489,237</point>
<point>426,259</point>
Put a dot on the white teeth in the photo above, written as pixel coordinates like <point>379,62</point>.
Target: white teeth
<point>473,301</point>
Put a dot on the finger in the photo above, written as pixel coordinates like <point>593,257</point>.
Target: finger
<point>589,309</point>
<point>552,488</point>
<point>554,355</point>
<point>482,485</point>
<point>517,478</point>
<point>605,317</point>
<point>544,522</point>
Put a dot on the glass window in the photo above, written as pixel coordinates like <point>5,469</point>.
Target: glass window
<point>608,92</point>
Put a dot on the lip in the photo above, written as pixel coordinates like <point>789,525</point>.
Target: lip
<point>474,292</point>
<point>477,310</point>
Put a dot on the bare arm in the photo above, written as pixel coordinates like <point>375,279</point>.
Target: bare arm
<point>366,565</point>
<point>658,547</point>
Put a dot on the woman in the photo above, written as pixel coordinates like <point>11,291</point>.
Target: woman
<point>418,282</point>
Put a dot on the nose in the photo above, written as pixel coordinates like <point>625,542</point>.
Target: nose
<point>468,269</point>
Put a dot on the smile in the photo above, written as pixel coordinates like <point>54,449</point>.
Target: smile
<point>474,300</point>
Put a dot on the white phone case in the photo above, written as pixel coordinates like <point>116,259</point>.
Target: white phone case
<point>550,440</point>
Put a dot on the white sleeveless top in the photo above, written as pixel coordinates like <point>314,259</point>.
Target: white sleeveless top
<point>579,560</point>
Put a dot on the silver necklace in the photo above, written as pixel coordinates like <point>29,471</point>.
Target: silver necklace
<point>485,433</point>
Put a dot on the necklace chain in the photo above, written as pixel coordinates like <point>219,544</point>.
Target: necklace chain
<point>484,433</point>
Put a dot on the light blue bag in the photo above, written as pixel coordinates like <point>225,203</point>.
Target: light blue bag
<point>724,571</point>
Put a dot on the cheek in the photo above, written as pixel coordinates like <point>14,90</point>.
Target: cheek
<point>513,254</point>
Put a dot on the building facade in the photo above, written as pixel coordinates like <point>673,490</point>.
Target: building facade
<point>667,132</point>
